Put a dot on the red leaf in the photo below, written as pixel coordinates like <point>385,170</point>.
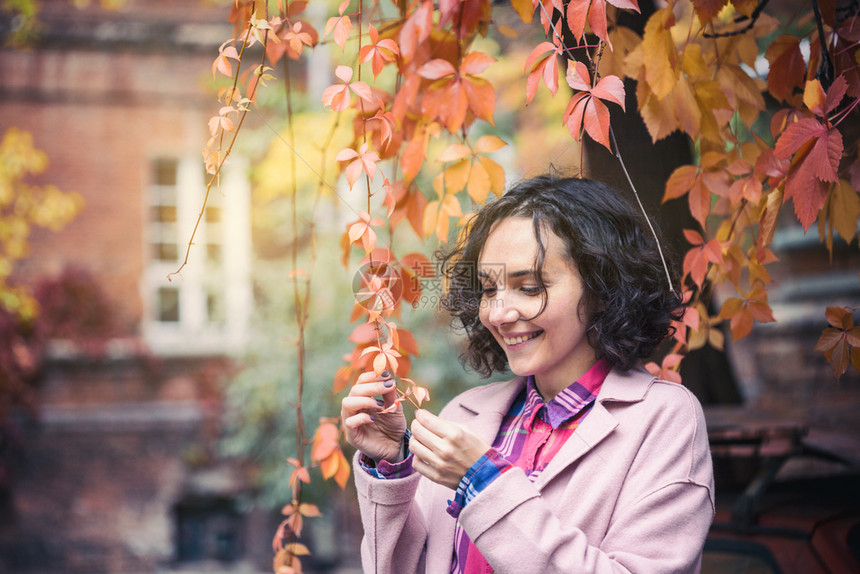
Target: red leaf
<point>787,68</point>
<point>707,9</point>
<point>610,88</point>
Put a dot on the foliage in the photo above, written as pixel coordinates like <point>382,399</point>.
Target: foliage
<point>693,71</point>
<point>23,206</point>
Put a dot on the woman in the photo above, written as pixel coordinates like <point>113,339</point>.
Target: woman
<point>582,463</point>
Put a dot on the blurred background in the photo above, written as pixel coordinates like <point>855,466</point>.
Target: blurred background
<point>145,421</point>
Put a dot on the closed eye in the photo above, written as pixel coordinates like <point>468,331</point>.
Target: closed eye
<point>487,291</point>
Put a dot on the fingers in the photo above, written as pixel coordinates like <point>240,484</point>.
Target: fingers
<point>357,420</point>
<point>370,384</point>
<point>437,426</point>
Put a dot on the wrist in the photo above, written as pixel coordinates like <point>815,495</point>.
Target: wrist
<point>403,451</point>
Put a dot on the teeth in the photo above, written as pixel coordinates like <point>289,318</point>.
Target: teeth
<point>517,340</point>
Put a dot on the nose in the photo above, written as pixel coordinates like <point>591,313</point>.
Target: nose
<point>499,311</point>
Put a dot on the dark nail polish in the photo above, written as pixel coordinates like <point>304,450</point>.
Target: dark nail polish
<point>388,384</point>
<point>385,374</point>
<point>380,402</point>
<point>372,418</point>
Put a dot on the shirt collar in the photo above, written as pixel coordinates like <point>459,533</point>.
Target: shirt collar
<point>570,401</point>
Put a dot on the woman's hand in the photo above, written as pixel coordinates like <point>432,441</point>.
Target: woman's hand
<point>378,435</point>
<point>444,451</point>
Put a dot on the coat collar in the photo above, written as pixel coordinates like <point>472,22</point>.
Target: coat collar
<point>619,386</point>
<point>487,405</point>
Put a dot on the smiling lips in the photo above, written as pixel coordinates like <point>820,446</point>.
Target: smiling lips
<point>520,338</point>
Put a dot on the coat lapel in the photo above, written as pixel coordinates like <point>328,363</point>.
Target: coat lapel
<point>483,409</point>
<point>619,386</point>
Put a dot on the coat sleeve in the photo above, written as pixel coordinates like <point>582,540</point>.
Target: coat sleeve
<point>659,523</point>
<point>395,531</point>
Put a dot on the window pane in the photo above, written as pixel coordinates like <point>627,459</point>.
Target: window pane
<point>215,308</point>
<point>213,253</point>
<point>164,213</point>
<point>165,171</point>
<point>213,214</point>
<point>166,251</point>
<point>168,305</point>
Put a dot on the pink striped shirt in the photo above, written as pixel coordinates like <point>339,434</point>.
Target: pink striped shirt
<point>531,434</point>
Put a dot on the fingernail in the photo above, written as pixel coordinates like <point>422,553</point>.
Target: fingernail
<point>372,418</point>
<point>380,402</point>
<point>388,384</point>
<point>385,374</point>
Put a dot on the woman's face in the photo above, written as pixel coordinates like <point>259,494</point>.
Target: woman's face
<point>553,345</point>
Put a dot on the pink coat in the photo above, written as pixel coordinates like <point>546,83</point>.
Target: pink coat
<point>631,491</point>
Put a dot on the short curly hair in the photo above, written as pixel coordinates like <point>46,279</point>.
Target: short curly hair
<point>627,298</point>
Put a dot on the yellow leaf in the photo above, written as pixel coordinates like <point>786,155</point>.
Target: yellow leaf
<point>343,471</point>
<point>769,217</point>
<point>431,212</point>
<point>524,9</point>
<point>659,117</point>
<point>457,175</point>
<point>297,549</point>
<point>845,210</point>
<point>496,173</point>
<point>451,206</point>
<point>439,185</point>
<point>693,64</point>
<point>454,152</point>
<point>686,107</point>
<point>659,54</point>
<point>614,62</point>
<point>813,97</point>
<point>489,143</point>
<point>478,186</point>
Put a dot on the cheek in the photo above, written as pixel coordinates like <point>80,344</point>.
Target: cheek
<point>484,314</point>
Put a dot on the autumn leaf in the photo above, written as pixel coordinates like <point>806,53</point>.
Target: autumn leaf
<point>362,230</point>
<point>697,259</point>
<point>668,369</point>
<point>845,210</point>
<point>743,312</point>
<point>542,64</point>
<point>363,160</point>
<point>787,68</point>
<point>437,213</point>
<point>385,358</point>
<point>455,92</point>
<point>706,10</point>
<point>299,474</point>
<point>337,96</point>
<point>816,151</point>
<point>841,341</point>
<point>659,57</point>
<point>593,11</point>
<point>340,27</point>
<point>325,441</point>
<point>586,111</point>
<point>378,52</point>
<point>222,62</point>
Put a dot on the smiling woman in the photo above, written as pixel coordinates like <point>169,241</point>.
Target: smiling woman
<point>583,462</point>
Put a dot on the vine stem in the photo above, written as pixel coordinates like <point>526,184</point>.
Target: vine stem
<point>222,160</point>
<point>626,174</point>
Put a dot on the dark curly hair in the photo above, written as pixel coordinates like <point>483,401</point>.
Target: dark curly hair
<point>627,299</point>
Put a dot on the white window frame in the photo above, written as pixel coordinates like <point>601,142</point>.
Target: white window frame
<point>193,333</point>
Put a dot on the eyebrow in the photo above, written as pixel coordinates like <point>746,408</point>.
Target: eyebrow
<point>512,275</point>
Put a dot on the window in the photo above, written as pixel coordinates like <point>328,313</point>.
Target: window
<point>204,309</point>
<point>208,530</point>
